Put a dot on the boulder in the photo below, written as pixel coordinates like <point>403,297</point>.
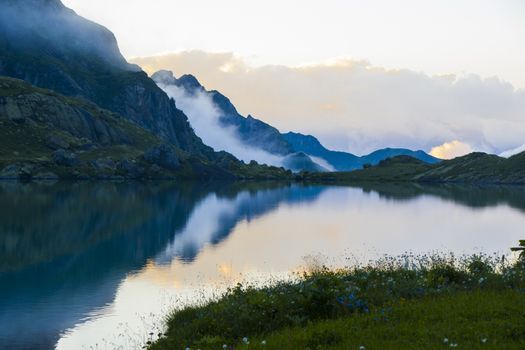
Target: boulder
<point>164,156</point>
<point>10,172</point>
<point>130,168</point>
<point>104,164</point>
<point>64,158</point>
<point>56,142</point>
<point>46,176</point>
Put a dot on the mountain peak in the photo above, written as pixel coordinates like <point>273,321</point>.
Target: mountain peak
<point>51,4</point>
<point>48,28</point>
<point>165,77</point>
<point>188,82</point>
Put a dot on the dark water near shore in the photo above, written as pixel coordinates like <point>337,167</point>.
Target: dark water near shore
<point>98,265</point>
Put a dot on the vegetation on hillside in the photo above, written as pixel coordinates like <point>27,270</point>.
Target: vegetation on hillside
<point>429,302</point>
<point>477,168</point>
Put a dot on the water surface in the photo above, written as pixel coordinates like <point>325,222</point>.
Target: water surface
<point>97,265</point>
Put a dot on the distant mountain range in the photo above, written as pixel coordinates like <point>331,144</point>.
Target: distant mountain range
<point>301,152</point>
<point>343,161</point>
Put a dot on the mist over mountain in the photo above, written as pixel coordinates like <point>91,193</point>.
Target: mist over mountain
<point>217,121</point>
<point>360,106</point>
<point>49,26</point>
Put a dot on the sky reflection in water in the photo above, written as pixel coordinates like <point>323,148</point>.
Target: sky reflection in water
<point>87,264</point>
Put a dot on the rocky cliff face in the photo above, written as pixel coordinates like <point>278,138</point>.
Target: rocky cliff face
<point>22,104</point>
<point>50,46</point>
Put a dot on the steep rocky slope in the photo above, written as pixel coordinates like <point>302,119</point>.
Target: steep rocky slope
<point>50,46</point>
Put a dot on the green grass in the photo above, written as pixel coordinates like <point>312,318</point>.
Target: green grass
<point>473,320</point>
<point>404,303</point>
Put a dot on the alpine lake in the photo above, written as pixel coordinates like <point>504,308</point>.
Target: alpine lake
<point>99,265</point>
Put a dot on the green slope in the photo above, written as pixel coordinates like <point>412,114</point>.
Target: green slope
<point>472,168</point>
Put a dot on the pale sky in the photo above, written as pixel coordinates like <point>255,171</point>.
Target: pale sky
<point>486,37</point>
<point>354,104</point>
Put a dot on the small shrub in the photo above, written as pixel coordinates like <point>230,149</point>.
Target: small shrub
<point>444,275</point>
<point>479,266</point>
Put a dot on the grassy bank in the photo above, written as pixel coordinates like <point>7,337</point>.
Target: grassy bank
<point>404,303</point>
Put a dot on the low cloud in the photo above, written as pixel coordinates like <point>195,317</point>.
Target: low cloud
<point>450,150</point>
<point>204,117</point>
<point>352,105</point>
<point>511,152</point>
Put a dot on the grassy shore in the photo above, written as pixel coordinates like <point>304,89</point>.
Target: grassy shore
<point>425,302</point>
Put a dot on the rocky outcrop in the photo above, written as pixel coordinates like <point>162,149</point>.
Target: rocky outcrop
<point>131,169</point>
<point>163,156</point>
<point>64,158</point>
<point>20,103</point>
<point>56,142</point>
<point>16,172</point>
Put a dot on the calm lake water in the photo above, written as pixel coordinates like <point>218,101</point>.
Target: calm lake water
<point>97,266</point>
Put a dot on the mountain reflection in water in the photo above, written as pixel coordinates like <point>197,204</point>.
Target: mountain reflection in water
<point>67,248</point>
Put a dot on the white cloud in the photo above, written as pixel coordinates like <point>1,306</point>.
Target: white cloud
<point>204,119</point>
<point>355,106</point>
<point>451,150</point>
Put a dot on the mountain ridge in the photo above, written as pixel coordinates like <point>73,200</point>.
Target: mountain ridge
<point>477,167</point>
<point>301,152</point>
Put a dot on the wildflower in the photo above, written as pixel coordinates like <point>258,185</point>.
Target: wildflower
<point>245,340</point>
<point>484,340</point>
<point>263,342</point>
<point>362,347</point>
<point>453,345</point>
<point>481,280</point>
<point>445,340</point>
<point>224,346</point>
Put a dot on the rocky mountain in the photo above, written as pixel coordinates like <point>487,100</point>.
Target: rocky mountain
<point>45,135</point>
<point>84,112</point>
<point>50,46</point>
